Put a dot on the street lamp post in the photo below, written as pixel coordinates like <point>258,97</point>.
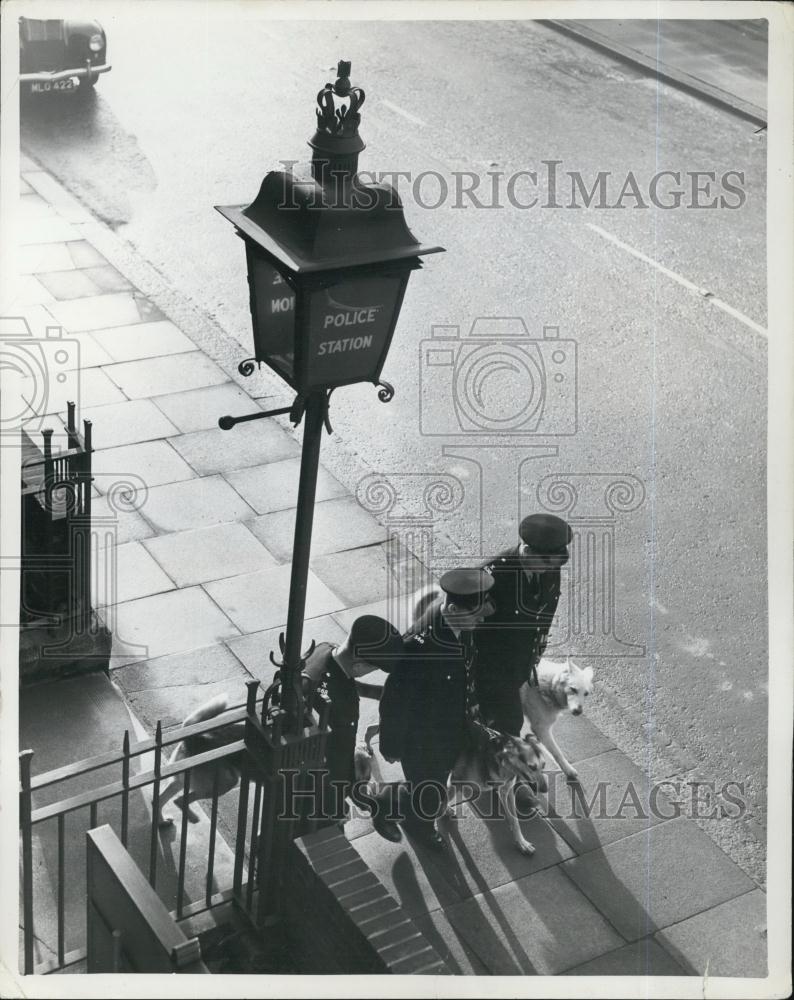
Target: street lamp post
<point>328,259</point>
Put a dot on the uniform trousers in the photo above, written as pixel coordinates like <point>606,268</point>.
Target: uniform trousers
<point>422,797</point>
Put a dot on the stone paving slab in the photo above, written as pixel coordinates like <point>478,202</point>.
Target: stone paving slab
<point>383,609</point>
<point>89,354</point>
<point>653,879</point>
<point>244,446</point>
<point>640,958</point>
<point>257,601</point>
<point>199,409</point>
<point>126,525</point>
<point>85,254</point>
<point>156,376</point>
<point>31,207</point>
<point>338,525</point>
<point>213,553</point>
<point>613,799</point>
<point>134,573</point>
<point>362,576</point>
<point>728,940</point>
<point>481,853</point>
<point>96,389</point>
<point>51,229</point>
<point>99,311</point>
<point>196,503</point>
<point>169,688</point>
<point>131,422</point>
<point>253,649</point>
<point>275,486</point>
<point>155,462</point>
<point>173,622</point>
<point>106,278</point>
<point>407,874</point>
<point>539,925</point>
<point>90,387</point>
<point>28,291</point>
<point>143,340</point>
<point>579,738</point>
<point>47,257</point>
<point>83,283</point>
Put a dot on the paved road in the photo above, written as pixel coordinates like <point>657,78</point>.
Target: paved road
<point>666,307</point>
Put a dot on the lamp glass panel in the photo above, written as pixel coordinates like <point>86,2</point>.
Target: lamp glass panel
<point>349,324</point>
<point>273,311</point>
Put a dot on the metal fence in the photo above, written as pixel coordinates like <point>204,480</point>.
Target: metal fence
<point>265,759</point>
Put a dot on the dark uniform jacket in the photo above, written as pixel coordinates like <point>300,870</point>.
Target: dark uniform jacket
<point>511,642</point>
<point>424,697</point>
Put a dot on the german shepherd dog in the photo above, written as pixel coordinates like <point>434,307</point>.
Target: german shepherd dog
<point>202,777</point>
<point>504,763</point>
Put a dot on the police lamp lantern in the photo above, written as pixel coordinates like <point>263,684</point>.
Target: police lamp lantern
<point>329,257</point>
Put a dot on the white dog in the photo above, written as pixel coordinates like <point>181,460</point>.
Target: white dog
<point>561,687</point>
<point>203,776</point>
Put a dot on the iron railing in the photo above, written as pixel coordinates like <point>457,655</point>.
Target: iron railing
<point>56,530</point>
<point>262,836</point>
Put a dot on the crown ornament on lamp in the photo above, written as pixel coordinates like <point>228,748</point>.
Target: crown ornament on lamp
<point>344,119</point>
<point>336,143</point>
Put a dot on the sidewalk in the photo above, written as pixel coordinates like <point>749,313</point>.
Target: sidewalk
<point>202,584</point>
<point>724,62</point>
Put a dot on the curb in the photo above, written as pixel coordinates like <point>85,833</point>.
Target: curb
<point>675,77</point>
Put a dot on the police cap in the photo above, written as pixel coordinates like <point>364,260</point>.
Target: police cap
<point>376,641</point>
<point>466,586</point>
<point>545,533</point>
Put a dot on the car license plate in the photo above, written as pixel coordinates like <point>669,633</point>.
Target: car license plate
<point>41,87</point>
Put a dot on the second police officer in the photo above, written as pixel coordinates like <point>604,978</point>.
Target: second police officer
<point>429,710</point>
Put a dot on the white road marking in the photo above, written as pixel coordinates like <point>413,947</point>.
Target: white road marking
<point>704,292</point>
<point>401,111</point>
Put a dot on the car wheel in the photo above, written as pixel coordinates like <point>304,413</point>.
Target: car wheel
<point>88,82</point>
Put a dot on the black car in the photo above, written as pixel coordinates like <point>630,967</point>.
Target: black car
<point>54,53</point>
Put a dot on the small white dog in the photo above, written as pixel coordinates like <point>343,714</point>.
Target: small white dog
<point>561,687</point>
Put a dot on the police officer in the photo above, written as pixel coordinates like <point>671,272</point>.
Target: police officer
<point>525,596</point>
<point>428,705</point>
<point>373,644</point>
